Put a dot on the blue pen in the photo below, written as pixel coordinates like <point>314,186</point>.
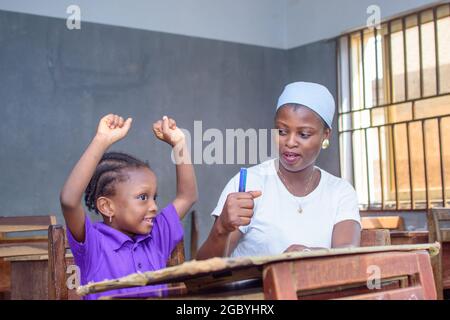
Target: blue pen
<point>242,183</point>
<point>242,179</point>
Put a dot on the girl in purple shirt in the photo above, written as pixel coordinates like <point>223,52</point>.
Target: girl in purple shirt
<point>133,237</point>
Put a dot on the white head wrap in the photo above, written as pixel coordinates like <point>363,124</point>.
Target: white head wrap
<point>312,95</point>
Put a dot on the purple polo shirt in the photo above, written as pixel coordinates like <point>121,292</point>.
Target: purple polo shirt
<point>110,254</point>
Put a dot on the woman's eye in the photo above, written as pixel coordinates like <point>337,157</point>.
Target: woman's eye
<point>143,197</point>
<point>282,132</point>
<point>305,135</point>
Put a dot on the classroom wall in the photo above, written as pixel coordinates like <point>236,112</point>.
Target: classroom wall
<point>257,22</point>
<point>316,62</point>
<point>283,24</point>
<point>55,85</point>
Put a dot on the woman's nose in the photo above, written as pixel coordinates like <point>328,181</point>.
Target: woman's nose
<point>291,141</point>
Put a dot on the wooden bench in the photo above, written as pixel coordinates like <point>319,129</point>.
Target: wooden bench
<point>383,222</point>
<point>437,217</point>
<point>18,245</point>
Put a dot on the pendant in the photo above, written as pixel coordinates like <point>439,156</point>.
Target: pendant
<point>300,210</point>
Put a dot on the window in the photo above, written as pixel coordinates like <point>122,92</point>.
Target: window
<point>394,111</point>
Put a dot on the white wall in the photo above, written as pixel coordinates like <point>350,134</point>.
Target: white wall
<point>313,20</point>
<point>257,22</point>
<point>272,23</point>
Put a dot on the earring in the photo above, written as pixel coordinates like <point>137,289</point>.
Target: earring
<point>325,144</point>
<point>110,219</point>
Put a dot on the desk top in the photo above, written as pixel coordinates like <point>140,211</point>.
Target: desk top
<point>5,228</point>
<point>23,249</point>
<point>198,274</point>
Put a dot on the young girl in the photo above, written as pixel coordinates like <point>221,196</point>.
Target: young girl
<point>297,206</point>
<point>133,236</point>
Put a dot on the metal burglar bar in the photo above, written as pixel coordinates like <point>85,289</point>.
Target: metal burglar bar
<point>386,114</point>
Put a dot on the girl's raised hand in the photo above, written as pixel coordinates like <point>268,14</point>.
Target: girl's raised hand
<point>113,128</point>
<point>167,131</point>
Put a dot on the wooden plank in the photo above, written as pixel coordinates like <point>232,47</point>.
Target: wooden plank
<point>279,283</point>
<point>9,240</point>
<point>29,280</point>
<point>57,289</point>
<point>23,249</point>
<point>22,228</point>
<point>375,237</point>
<point>337,271</point>
<point>36,257</point>
<point>445,260</point>
<point>382,222</point>
<point>408,237</point>
<point>5,276</point>
<point>194,235</point>
<point>426,276</point>
<point>412,293</point>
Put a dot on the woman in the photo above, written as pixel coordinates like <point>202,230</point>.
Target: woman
<point>295,206</point>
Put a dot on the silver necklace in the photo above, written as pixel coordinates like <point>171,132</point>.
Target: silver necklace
<point>305,191</point>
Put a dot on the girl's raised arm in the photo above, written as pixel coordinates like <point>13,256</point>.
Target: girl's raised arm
<point>111,129</point>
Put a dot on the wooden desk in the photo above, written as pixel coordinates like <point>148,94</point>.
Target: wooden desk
<point>415,237</point>
<point>207,279</point>
<point>408,237</point>
<point>29,276</point>
<point>16,250</point>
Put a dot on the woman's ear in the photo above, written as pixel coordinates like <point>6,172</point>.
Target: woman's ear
<point>105,206</point>
<point>327,134</point>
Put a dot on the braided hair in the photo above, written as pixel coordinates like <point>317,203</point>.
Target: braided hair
<point>109,171</point>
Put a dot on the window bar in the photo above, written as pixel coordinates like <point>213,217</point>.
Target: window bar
<point>407,101</point>
<point>391,99</point>
<point>395,165</point>
<point>363,68</point>
<point>425,164</point>
<point>405,58</point>
<point>402,122</point>
<point>353,157</point>
<point>376,70</point>
<point>441,160</point>
<point>408,147</point>
<point>367,168</point>
<point>350,75</point>
<point>381,169</point>
<point>419,22</point>
<point>436,51</point>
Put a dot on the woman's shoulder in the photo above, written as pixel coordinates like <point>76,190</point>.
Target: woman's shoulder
<point>335,182</point>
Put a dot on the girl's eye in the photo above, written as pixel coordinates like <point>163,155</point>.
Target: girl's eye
<point>155,197</point>
<point>143,197</point>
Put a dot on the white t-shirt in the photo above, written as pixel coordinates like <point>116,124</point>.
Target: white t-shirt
<point>276,223</point>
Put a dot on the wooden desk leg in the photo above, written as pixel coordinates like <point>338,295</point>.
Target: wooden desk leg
<point>29,280</point>
<point>5,280</point>
<point>276,277</point>
<point>426,276</point>
<point>436,264</point>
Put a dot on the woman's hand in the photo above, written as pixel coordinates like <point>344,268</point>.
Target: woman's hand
<point>296,248</point>
<point>112,128</point>
<point>167,131</point>
<point>237,210</point>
